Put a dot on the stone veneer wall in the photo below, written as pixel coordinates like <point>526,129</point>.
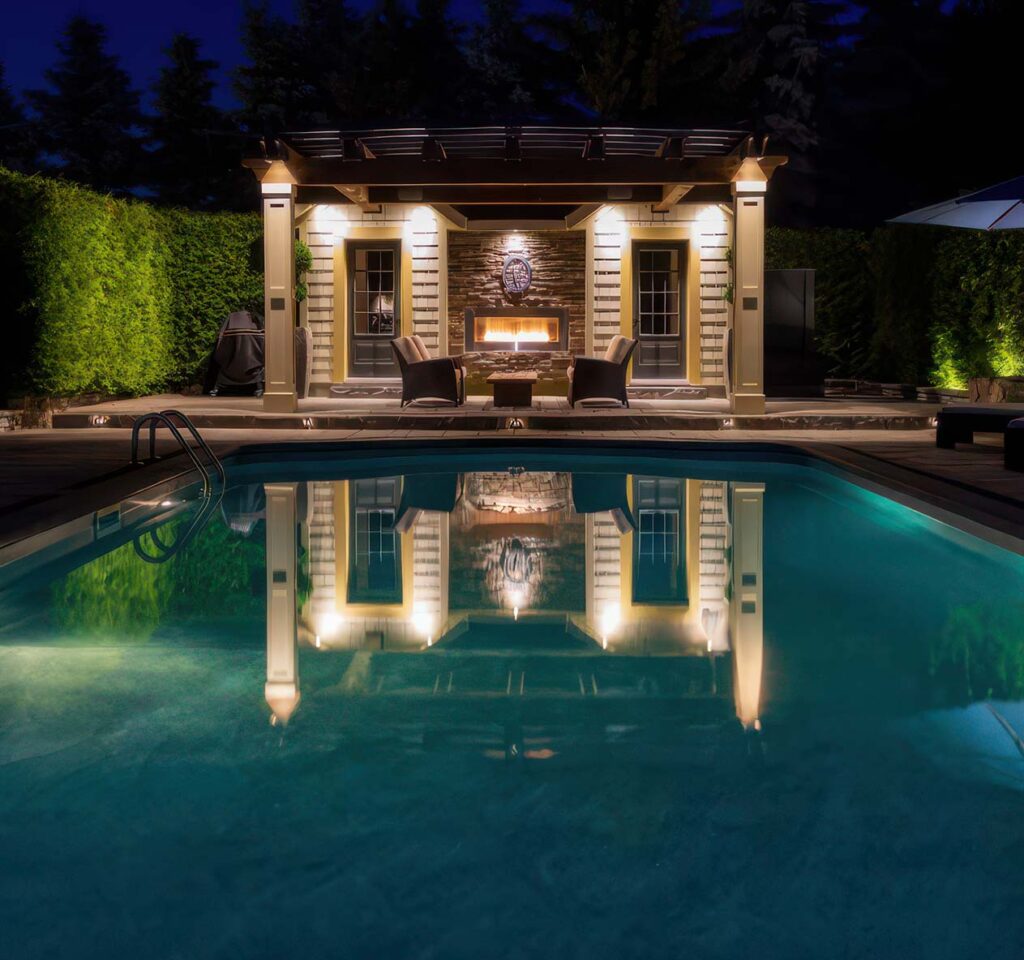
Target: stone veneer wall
<point>558,260</point>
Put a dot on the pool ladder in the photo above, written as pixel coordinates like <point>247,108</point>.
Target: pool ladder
<point>206,468</point>
<point>166,418</point>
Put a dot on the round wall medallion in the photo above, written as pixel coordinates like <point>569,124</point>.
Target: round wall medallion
<point>516,274</point>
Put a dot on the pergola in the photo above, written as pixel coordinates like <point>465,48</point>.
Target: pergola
<point>457,170</point>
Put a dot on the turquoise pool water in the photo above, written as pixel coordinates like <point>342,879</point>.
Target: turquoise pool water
<point>514,705</point>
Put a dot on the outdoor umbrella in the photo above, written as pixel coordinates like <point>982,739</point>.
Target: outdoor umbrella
<point>995,208</point>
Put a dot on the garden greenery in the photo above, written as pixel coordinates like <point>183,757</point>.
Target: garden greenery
<point>113,295</point>
<point>121,297</point>
<point>913,304</point>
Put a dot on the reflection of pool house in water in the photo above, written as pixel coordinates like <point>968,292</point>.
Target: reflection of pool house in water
<point>601,570</point>
<point>517,249</point>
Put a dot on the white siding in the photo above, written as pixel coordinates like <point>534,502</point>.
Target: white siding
<point>325,226</point>
<point>712,228</point>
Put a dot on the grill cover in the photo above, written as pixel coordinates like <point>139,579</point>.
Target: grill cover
<point>237,359</point>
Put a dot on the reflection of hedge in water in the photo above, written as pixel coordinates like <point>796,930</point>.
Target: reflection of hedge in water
<point>219,575</point>
<point>116,595</point>
<point>980,653</point>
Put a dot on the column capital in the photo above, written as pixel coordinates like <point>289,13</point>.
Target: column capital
<point>278,190</point>
<point>749,179</point>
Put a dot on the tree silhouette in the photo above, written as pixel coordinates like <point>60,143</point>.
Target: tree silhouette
<point>195,158</point>
<point>17,143</point>
<point>88,119</point>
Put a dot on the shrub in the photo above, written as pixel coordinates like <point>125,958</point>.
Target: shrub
<point>212,269</point>
<point>114,295</point>
<point>902,266</point>
<point>843,290</point>
<point>94,312</point>
<point>978,327</point>
<point>913,304</point>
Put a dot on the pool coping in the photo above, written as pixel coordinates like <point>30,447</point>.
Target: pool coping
<point>72,513</point>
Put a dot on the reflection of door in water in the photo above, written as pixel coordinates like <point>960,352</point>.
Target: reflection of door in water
<point>659,310</point>
<point>374,305</point>
<point>659,556</point>
<point>375,561</point>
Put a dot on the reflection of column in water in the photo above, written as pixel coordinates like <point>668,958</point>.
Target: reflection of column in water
<point>747,615</point>
<point>282,687</point>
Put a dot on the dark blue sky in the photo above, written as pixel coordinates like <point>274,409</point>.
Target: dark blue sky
<point>138,30</point>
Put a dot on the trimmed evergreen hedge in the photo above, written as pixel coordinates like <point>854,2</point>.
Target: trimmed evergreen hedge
<point>922,305</point>
<point>843,289</point>
<point>115,295</point>
<point>118,296</point>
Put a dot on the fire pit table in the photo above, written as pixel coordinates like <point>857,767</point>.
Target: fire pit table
<point>513,389</point>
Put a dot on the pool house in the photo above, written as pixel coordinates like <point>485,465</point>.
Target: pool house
<point>517,249</point>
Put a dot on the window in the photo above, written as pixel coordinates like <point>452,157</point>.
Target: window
<point>659,543</point>
<point>375,569</point>
<point>658,289</point>
<point>374,280</point>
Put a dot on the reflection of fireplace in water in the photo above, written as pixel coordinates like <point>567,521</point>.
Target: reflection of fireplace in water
<point>516,329</point>
<point>517,545</point>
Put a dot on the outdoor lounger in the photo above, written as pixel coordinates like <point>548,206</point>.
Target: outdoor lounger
<point>958,424</point>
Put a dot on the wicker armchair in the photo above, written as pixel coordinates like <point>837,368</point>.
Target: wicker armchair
<point>427,378</point>
<point>593,378</point>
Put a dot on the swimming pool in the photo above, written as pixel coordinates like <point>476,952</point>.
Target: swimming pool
<point>513,703</point>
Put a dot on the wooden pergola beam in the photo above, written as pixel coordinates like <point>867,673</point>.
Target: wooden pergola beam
<point>671,194</point>
<point>359,195</point>
<point>612,171</point>
<point>581,214</point>
<point>484,194</point>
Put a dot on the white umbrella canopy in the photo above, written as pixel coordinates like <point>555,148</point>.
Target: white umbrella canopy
<point>1000,207</point>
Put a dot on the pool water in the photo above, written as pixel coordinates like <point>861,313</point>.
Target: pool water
<point>514,705</point>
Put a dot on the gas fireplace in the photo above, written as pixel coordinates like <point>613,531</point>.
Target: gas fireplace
<point>516,329</point>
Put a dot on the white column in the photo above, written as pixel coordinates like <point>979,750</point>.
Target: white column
<point>279,296</point>
<point>747,614</point>
<point>282,687</point>
<point>749,189</point>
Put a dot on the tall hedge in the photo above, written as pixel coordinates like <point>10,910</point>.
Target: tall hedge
<point>913,304</point>
<point>214,267</point>
<point>114,295</point>
<point>843,290</point>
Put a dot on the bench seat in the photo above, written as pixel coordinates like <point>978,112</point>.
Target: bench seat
<point>958,424</point>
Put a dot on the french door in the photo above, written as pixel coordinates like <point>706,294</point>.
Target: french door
<point>375,548</point>
<point>659,310</point>
<point>659,541</point>
<point>374,300</point>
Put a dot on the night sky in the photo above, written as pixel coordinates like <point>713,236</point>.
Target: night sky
<point>139,29</point>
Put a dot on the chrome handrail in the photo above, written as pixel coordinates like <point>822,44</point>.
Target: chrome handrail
<point>209,505</point>
<point>191,427</point>
<point>166,418</point>
<point>167,550</point>
<point>154,419</point>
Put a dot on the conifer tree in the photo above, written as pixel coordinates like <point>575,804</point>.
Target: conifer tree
<point>17,143</point>
<point>88,117</point>
<point>194,161</point>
